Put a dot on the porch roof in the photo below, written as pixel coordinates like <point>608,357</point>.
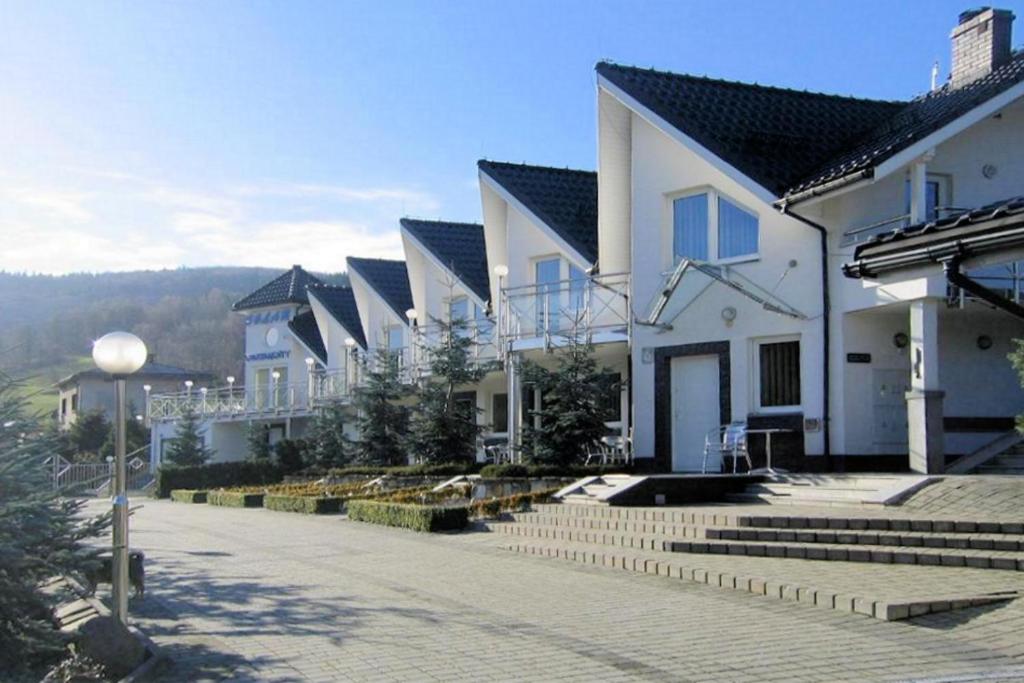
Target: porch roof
<point>972,232</point>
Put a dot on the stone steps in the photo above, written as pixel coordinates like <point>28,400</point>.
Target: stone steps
<point>887,554</point>
<point>749,579</point>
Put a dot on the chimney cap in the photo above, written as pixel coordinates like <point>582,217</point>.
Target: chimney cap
<point>969,14</point>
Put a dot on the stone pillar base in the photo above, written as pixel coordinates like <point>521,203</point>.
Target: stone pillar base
<point>925,431</point>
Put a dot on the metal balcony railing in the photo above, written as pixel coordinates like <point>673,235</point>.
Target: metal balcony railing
<point>1006,279</point>
<point>257,401</point>
<point>482,335</point>
<point>565,308</point>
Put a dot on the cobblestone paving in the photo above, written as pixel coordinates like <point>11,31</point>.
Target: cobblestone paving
<point>258,595</point>
<point>994,496</point>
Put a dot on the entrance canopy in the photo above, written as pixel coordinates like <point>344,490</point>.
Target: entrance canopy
<point>689,280</point>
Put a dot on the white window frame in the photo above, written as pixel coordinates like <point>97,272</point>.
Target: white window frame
<point>713,196</point>
<point>944,181</point>
<point>755,374</point>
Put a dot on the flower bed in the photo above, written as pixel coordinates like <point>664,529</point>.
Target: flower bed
<point>416,517</point>
<point>310,505</point>
<point>518,502</point>
<point>188,496</point>
<point>235,499</point>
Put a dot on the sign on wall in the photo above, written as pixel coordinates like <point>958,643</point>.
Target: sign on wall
<point>269,317</point>
<point>267,355</point>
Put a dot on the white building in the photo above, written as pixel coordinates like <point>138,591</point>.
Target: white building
<point>295,358</point>
<point>736,207</point>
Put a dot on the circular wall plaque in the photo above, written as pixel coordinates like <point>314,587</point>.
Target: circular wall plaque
<point>273,336</point>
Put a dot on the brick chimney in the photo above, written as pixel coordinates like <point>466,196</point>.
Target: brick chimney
<point>982,41</point>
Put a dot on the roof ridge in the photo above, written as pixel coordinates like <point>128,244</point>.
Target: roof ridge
<point>491,162</point>
<point>744,84</point>
<point>466,224</point>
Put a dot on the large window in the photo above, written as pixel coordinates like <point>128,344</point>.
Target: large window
<point>708,223</point>
<point>547,275</point>
<point>934,196</point>
<point>778,385</point>
<point>395,338</point>
<point>499,412</point>
<point>458,309</point>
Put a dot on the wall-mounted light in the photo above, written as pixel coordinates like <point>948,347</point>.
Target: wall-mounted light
<point>989,171</point>
<point>411,314</point>
<point>309,362</point>
<point>501,270</point>
<point>728,315</point>
<point>984,342</point>
<point>900,340</point>
<point>350,342</point>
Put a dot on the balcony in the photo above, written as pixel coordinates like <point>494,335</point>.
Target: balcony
<point>483,347</point>
<point>293,399</point>
<point>595,309</point>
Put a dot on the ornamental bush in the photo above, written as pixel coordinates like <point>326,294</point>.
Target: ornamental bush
<point>310,505</point>
<point>415,517</point>
<point>188,496</point>
<point>217,475</point>
<point>235,499</point>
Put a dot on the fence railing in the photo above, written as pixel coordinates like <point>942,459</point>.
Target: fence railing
<point>269,399</point>
<point>482,336</point>
<point>89,477</point>
<point>558,309</point>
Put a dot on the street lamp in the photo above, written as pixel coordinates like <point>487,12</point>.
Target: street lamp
<point>310,383</point>
<point>120,354</point>
<point>350,363</point>
<point>501,270</point>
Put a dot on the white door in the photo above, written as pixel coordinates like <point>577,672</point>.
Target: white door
<point>694,410</point>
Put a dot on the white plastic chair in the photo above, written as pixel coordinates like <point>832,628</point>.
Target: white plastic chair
<point>727,441</point>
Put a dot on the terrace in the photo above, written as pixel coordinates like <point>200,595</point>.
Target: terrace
<point>276,399</point>
<point>543,315</point>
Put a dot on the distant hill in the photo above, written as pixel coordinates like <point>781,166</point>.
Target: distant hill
<point>183,315</point>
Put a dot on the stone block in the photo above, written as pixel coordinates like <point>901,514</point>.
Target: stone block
<point>925,558</point>
<point>952,560</point>
<point>882,556</point>
<point>775,550</point>
<point>796,552</point>
<point>817,523</point>
<point>890,611</point>
<point>858,524</point>
<point>858,555</point>
<point>110,643</point>
<point>943,525</point>
<point>757,586</point>
<point>756,550</point>
<point>843,603</point>
<point>825,599</point>
<point>1004,563</point>
<point>979,561</point>
<point>840,554</point>
<point>815,553</point>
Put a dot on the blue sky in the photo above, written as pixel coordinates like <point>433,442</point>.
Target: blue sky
<point>149,135</point>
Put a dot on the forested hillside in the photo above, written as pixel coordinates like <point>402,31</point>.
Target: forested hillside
<point>183,315</point>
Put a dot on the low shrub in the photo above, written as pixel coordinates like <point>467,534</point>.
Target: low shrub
<point>407,516</point>
<point>188,496</point>
<point>518,502</point>
<point>235,499</point>
<point>443,469</point>
<point>217,475</point>
<point>310,505</point>
<point>518,471</point>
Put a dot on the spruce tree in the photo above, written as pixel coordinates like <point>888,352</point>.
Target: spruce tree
<point>572,414</point>
<point>188,448</point>
<point>41,536</point>
<point>257,438</point>
<point>382,422</point>
<point>136,433</point>
<point>88,433</point>
<point>442,430</point>
<point>329,446</point>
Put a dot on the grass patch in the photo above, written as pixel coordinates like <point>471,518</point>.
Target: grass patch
<point>232,499</point>
<point>407,516</point>
<point>188,496</point>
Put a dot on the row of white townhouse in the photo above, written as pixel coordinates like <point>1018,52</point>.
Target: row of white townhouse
<point>842,272</point>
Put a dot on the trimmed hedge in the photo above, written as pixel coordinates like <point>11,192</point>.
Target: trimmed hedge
<point>517,502</point>
<point>217,475</point>
<point>310,505</point>
<point>416,517</point>
<point>234,499</point>
<point>520,471</point>
<point>444,469</point>
<point>188,496</point>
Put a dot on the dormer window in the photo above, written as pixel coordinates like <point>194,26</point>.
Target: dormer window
<point>707,223</point>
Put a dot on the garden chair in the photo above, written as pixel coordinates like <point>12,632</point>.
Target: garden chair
<point>727,441</point>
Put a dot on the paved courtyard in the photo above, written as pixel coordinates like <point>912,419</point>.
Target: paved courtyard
<point>257,595</point>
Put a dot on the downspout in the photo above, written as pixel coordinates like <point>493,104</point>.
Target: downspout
<point>826,307</point>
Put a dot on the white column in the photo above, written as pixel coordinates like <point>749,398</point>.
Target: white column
<point>918,192</point>
<point>515,407</point>
<point>924,400</point>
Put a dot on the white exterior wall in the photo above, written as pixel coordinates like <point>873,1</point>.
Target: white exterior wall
<point>375,315</point>
<point>334,335</point>
<point>662,168</point>
<point>432,286</point>
<point>614,183</point>
<point>256,343</point>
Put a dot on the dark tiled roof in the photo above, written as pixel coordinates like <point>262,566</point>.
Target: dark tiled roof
<point>288,288</point>
<point>152,370</point>
<point>459,246</point>
<point>791,141</point>
<point>341,304</point>
<point>916,120</point>
<point>388,278</point>
<point>565,199</point>
<point>996,210</point>
<point>305,328</point>
<point>773,135</point>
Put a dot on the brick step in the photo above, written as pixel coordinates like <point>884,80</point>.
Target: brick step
<point>676,529</point>
<point>938,557</point>
<point>725,515</point>
<point>766,498</point>
<point>587,536</point>
<point>914,539</point>
<point>748,579</point>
